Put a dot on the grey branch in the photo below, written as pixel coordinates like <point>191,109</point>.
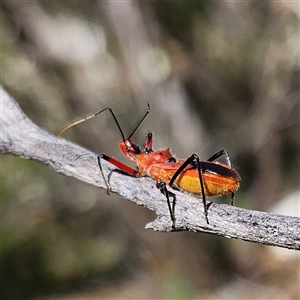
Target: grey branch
<point>21,137</point>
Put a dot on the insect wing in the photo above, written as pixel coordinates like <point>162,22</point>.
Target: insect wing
<point>219,169</point>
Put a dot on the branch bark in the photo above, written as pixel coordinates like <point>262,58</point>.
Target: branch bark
<point>21,137</point>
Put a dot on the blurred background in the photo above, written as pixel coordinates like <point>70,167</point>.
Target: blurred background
<point>217,75</point>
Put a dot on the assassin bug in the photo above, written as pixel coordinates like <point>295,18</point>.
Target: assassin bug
<point>205,178</point>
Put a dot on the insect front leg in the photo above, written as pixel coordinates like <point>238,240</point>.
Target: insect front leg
<point>161,185</point>
<point>193,160</point>
<point>119,165</point>
<point>216,156</point>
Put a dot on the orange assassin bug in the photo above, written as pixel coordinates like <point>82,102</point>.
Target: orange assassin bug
<point>205,178</point>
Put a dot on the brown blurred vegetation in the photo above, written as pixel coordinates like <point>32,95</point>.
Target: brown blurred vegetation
<point>217,75</point>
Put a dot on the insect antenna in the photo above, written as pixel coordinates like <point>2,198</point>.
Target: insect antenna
<point>92,116</point>
<point>113,115</point>
<point>138,125</point>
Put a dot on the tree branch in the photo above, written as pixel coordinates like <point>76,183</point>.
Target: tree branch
<point>21,137</point>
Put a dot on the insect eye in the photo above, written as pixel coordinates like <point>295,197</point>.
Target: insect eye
<point>171,159</point>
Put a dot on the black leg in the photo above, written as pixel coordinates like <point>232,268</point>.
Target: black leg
<point>220,153</point>
<point>108,188</point>
<point>163,188</point>
<point>232,198</point>
<point>216,156</point>
<point>193,160</point>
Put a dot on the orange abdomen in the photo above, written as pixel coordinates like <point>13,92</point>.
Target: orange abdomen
<point>214,184</point>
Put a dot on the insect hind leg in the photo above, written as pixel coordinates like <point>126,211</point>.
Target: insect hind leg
<point>232,198</point>
<point>219,154</point>
<point>216,156</point>
<point>161,185</point>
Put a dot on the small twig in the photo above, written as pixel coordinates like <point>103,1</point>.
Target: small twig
<point>21,137</point>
